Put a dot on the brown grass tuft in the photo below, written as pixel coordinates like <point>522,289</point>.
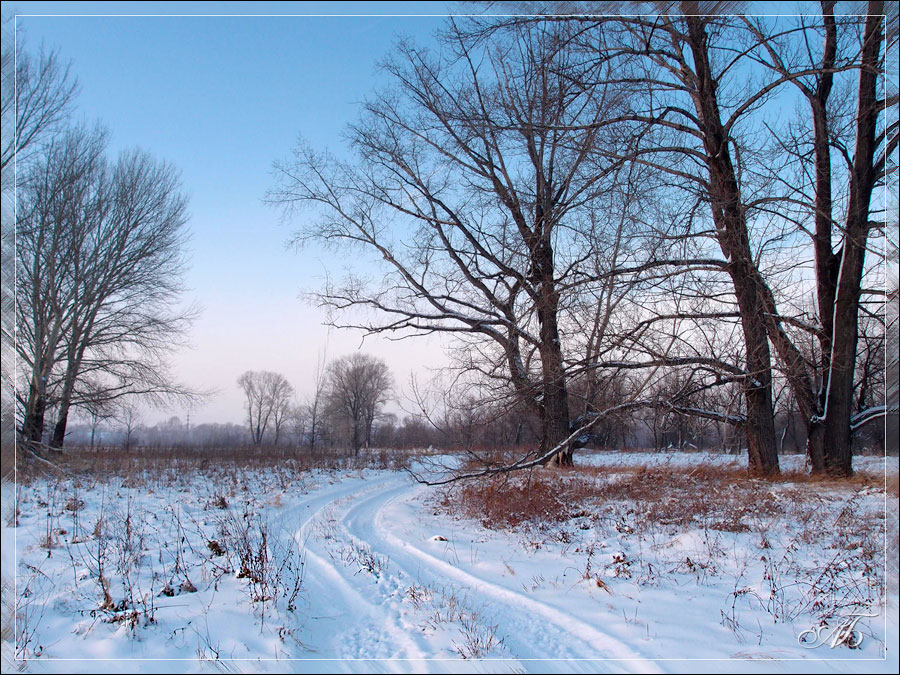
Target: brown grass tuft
<point>722,498</point>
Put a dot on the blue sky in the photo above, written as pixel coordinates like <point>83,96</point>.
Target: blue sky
<point>221,98</point>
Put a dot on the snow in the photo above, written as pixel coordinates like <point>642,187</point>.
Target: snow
<point>386,580</point>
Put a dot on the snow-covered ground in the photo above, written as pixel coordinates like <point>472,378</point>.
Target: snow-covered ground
<point>284,570</point>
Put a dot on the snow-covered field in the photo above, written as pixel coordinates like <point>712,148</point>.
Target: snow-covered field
<point>285,570</point>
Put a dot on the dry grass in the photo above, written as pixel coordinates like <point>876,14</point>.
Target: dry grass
<point>722,498</point>
<point>792,546</point>
<point>507,502</point>
<point>892,485</point>
<point>138,465</point>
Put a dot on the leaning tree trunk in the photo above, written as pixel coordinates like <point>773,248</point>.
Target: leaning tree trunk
<point>65,402</point>
<point>59,430</point>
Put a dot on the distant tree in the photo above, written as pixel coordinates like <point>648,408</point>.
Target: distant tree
<point>97,412</point>
<point>314,407</point>
<point>268,397</point>
<point>282,407</point>
<point>357,388</point>
<point>128,414</point>
<point>298,422</point>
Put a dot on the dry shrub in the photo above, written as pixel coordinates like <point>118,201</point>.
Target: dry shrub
<point>722,498</point>
<point>479,458</point>
<point>508,501</point>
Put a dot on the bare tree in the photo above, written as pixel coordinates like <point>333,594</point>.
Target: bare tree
<point>37,96</point>
<point>128,414</point>
<point>313,408</point>
<point>830,201</point>
<point>268,400</point>
<point>97,414</point>
<point>298,420</point>
<point>58,204</point>
<point>704,93</point>
<point>99,267</point>
<point>281,411</point>
<point>479,187</point>
<point>358,387</point>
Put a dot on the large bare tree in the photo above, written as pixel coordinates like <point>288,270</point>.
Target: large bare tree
<point>712,84</point>
<point>716,82</point>
<point>478,186</point>
<point>36,97</point>
<point>837,204</point>
<point>99,268</point>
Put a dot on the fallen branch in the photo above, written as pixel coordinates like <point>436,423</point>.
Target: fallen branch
<point>530,461</point>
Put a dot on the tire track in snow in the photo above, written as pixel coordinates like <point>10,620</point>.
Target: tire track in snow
<point>532,629</point>
<point>356,626</point>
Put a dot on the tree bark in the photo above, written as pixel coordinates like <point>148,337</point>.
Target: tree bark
<point>812,403</point>
<point>731,231</point>
<point>839,389</point>
<point>555,395</point>
<point>33,424</point>
<point>65,401</point>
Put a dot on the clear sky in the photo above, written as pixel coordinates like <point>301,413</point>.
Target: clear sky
<point>221,98</point>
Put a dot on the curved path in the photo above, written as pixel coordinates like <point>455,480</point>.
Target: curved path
<point>360,610</point>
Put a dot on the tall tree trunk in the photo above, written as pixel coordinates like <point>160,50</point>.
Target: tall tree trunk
<point>810,395</point>
<point>555,424</point>
<point>826,261</point>
<point>839,388</point>
<point>555,396</point>
<point>731,230</point>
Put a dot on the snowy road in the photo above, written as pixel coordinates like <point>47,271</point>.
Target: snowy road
<point>548,617</point>
<point>357,614</point>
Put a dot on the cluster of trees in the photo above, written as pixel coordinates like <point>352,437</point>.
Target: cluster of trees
<point>98,259</point>
<point>131,430</point>
<point>637,212</point>
<point>348,397</point>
